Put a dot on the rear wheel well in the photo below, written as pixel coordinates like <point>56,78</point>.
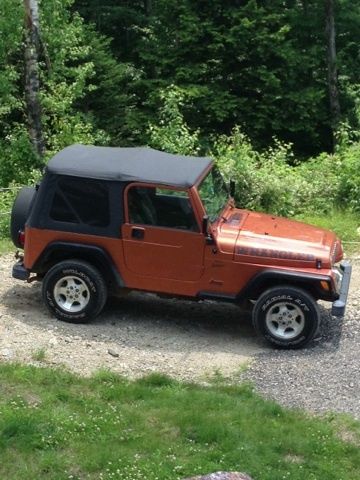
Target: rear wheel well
<point>95,256</point>
<point>57,257</point>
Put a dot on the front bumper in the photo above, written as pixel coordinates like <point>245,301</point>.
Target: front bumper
<point>338,307</point>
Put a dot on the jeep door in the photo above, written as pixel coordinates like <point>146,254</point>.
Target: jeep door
<point>161,236</point>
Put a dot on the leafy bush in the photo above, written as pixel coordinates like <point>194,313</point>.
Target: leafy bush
<point>263,180</point>
<point>349,184</point>
<point>18,159</point>
<point>318,184</point>
<point>6,200</point>
<point>271,180</point>
<point>172,134</point>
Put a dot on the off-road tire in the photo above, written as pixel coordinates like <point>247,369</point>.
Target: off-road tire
<point>67,279</point>
<point>20,212</point>
<point>287,317</point>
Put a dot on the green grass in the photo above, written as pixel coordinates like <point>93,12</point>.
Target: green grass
<point>6,246</point>
<point>54,425</point>
<point>344,224</point>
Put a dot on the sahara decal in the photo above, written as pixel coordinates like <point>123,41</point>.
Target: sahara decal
<point>281,254</point>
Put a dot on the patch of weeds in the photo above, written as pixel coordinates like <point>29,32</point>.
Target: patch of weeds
<point>346,428</point>
<point>156,380</point>
<point>39,355</point>
<point>6,246</point>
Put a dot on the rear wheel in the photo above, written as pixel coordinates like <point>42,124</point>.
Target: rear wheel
<point>287,317</point>
<point>74,291</point>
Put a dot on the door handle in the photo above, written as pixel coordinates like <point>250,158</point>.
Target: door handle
<point>138,233</point>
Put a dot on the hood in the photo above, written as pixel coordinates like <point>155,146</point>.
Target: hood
<point>250,235</point>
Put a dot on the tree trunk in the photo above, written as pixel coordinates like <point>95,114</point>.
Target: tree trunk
<point>32,81</point>
<point>332,67</point>
<point>148,7</point>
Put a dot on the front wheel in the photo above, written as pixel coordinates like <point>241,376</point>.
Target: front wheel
<point>74,291</point>
<point>287,317</point>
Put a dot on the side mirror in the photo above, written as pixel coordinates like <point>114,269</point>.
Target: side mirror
<point>205,231</point>
<point>232,188</point>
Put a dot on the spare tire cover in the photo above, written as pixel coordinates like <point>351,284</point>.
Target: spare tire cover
<point>20,212</point>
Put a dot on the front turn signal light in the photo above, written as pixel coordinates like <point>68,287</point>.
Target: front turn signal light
<point>325,285</point>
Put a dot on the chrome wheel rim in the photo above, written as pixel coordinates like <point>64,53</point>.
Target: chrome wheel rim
<point>71,294</point>
<point>285,320</point>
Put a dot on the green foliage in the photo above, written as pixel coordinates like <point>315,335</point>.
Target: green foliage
<point>66,73</point>
<point>180,75</point>
<point>261,65</point>
<point>54,425</point>
<point>270,180</point>
<point>18,159</point>
<point>240,64</point>
<point>349,192</point>
<point>172,134</point>
<point>6,245</point>
<point>67,79</point>
<point>7,198</point>
<point>110,100</point>
<point>10,45</point>
<point>318,189</point>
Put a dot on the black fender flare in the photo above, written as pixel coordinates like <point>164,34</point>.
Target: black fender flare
<point>97,256</point>
<point>272,277</point>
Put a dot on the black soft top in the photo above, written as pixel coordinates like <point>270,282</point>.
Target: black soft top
<point>128,165</point>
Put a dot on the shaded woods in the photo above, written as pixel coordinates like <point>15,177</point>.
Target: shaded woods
<point>270,89</point>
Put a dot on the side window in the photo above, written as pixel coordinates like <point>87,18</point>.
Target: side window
<point>81,201</point>
<point>141,206</point>
<point>161,207</point>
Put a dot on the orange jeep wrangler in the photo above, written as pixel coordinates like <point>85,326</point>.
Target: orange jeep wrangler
<point>105,220</point>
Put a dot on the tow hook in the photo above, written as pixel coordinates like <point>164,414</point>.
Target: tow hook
<point>19,256</point>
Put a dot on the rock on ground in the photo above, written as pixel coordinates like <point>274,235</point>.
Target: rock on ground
<point>222,476</point>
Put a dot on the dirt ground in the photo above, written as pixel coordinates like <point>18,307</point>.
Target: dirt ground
<point>133,336</point>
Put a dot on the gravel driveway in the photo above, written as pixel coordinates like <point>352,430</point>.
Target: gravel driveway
<point>133,336</point>
<point>326,375</point>
<point>142,333</point>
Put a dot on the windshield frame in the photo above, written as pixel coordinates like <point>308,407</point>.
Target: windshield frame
<point>220,186</point>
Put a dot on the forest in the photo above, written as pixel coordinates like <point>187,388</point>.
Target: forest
<point>270,90</point>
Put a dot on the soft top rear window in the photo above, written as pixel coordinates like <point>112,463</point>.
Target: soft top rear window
<point>81,201</point>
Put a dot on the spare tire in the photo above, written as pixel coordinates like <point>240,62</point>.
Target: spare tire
<point>20,212</point>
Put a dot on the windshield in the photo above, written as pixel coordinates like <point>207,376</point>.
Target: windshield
<point>214,194</point>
